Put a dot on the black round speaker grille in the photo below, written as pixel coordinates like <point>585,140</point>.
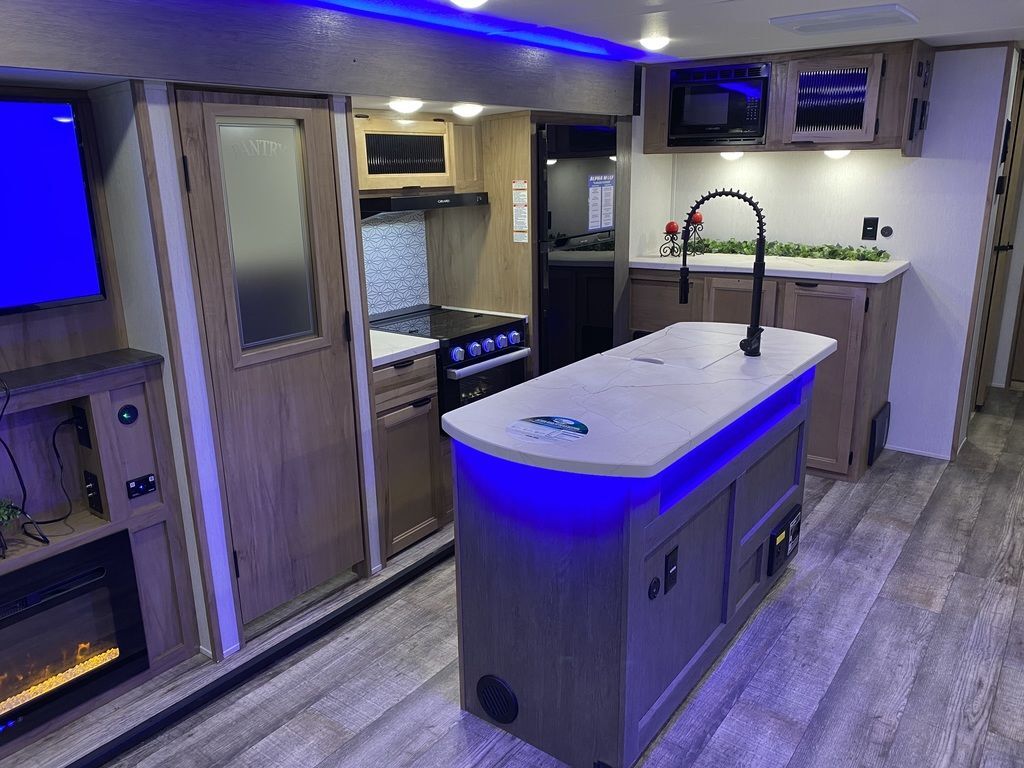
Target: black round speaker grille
<point>497,699</point>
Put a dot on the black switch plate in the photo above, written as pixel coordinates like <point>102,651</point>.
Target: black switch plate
<point>870,229</point>
<point>81,426</point>
<point>671,569</point>
<point>140,486</point>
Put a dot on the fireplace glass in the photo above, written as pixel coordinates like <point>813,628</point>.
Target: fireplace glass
<point>70,628</point>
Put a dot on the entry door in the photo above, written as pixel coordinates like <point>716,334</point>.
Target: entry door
<point>268,255</point>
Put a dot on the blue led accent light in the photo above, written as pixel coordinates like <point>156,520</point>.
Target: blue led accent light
<point>46,236</point>
<point>437,16</point>
<point>576,505</point>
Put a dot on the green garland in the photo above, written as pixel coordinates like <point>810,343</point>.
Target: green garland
<point>795,250</point>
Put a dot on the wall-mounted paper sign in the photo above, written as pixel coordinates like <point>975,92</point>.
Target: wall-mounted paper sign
<point>601,202</point>
<point>520,211</point>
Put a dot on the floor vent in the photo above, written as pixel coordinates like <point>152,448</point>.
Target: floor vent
<point>497,699</point>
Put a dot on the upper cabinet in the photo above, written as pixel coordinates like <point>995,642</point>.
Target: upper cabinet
<point>431,152</point>
<point>863,97</point>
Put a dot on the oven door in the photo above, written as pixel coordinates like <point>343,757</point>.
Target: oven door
<point>723,112</point>
<point>462,386</point>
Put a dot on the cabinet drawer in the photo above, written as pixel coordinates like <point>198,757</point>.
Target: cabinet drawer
<point>404,381</point>
<point>654,303</point>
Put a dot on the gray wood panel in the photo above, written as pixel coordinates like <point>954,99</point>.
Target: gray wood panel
<point>300,46</point>
<point>910,678</point>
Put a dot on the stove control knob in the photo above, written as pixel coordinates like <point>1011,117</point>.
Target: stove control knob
<point>458,354</point>
<point>514,337</point>
<point>475,350</point>
<point>488,345</point>
<point>501,341</point>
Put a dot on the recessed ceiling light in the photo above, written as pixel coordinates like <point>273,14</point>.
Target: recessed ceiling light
<point>836,154</point>
<point>469,4</point>
<point>731,155</point>
<point>613,158</point>
<point>65,120</point>
<point>655,42</point>
<point>405,106</point>
<point>552,161</point>
<point>844,19</point>
<point>467,110</point>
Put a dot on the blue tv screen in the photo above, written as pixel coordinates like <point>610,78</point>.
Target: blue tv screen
<point>47,248</point>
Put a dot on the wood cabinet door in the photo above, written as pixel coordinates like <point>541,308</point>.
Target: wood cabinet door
<point>836,311</point>
<point>832,99</point>
<point>727,300</point>
<point>408,469</point>
<point>654,302</point>
<point>267,249</point>
<point>393,153</point>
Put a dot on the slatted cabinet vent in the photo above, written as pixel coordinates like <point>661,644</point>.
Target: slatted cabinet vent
<point>388,153</point>
<point>832,100</point>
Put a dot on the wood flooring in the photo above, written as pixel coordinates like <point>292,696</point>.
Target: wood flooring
<point>896,638</point>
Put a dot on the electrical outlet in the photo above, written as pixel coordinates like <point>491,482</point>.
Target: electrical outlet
<point>81,426</point>
<point>870,228</point>
<point>92,492</point>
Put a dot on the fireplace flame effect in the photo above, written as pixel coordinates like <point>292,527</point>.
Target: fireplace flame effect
<point>83,664</point>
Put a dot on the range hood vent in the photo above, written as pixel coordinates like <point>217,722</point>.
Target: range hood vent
<point>845,19</point>
<point>374,206</point>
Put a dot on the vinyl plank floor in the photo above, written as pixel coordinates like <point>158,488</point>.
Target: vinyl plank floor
<point>895,638</point>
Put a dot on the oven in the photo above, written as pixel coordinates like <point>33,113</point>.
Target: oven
<point>462,385</point>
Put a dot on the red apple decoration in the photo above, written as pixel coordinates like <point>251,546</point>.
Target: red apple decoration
<point>697,218</point>
<point>672,228</point>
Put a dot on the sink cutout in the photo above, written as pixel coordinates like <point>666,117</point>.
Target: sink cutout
<point>654,360</point>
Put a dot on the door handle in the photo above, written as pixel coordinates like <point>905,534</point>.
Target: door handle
<point>807,285</point>
<point>421,402</point>
<point>404,364</point>
<point>455,374</point>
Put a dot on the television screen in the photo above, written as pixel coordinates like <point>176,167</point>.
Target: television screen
<point>48,254</point>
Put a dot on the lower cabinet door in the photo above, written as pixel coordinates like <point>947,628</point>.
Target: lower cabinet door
<point>407,468</point>
<point>836,311</point>
<point>728,300</point>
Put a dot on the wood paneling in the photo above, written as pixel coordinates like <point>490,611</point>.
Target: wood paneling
<point>316,48</point>
<point>472,259</point>
<point>286,419</point>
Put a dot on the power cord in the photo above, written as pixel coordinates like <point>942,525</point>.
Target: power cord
<point>60,463</point>
<point>38,535</point>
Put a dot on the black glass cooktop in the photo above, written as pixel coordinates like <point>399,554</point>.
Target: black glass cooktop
<point>438,323</point>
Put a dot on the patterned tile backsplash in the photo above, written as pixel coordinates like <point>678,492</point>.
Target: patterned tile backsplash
<point>395,254</point>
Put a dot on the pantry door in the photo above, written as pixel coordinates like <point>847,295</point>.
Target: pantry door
<point>264,210</point>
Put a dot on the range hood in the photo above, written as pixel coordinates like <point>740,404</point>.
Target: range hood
<point>374,206</point>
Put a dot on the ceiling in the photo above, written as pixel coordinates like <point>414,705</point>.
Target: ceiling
<point>707,28</point>
<point>429,107</point>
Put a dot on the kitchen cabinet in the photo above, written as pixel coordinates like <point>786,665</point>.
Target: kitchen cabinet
<point>411,481</point>
<point>837,311</point>
<point>832,98</point>
<point>727,300</point>
<point>894,80</point>
<point>851,387</point>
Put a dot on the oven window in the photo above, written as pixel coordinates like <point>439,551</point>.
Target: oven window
<point>472,388</point>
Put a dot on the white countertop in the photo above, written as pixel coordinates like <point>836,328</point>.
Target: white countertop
<point>782,266</point>
<point>387,347</point>
<point>642,416</point>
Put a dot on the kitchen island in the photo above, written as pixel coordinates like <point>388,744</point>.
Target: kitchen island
<point>617,521</point>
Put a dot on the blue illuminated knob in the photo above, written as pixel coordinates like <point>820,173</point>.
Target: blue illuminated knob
<point>475,350</point>
<point>501,341</point>
<point>458,354</point>
<point>488,345</point>
<point>514,337</point>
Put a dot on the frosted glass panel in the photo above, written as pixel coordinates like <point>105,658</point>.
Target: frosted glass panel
<point>265,199</point>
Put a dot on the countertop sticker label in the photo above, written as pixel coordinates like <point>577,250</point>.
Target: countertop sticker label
<point>549,429</point>
<point>520,211</point>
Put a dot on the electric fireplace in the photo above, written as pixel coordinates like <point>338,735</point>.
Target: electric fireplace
<point>70,628</point>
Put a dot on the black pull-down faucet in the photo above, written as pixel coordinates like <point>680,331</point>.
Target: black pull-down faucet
<point>751,345</point>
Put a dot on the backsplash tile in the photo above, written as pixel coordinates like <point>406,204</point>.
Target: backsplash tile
<point>395,259</point>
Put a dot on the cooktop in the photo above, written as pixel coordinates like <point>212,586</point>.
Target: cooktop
<point>437,322</point>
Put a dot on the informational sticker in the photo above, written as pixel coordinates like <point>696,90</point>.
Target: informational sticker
<point>520,211</point>
<point>549,429</point>
<point>601,202</point>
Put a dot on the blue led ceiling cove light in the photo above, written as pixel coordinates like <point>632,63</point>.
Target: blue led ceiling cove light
<point>427,14</point>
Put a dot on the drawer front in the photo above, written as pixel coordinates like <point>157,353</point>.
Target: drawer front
<point>402,382</point>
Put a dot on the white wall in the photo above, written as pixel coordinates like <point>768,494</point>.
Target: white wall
<point>934,203</point>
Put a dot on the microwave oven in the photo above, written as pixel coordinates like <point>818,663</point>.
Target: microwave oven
<point>718,105</point>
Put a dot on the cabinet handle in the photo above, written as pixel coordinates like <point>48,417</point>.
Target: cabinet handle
<point>421,402</point>
<point>404,364</point>
<point>807,285</point>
